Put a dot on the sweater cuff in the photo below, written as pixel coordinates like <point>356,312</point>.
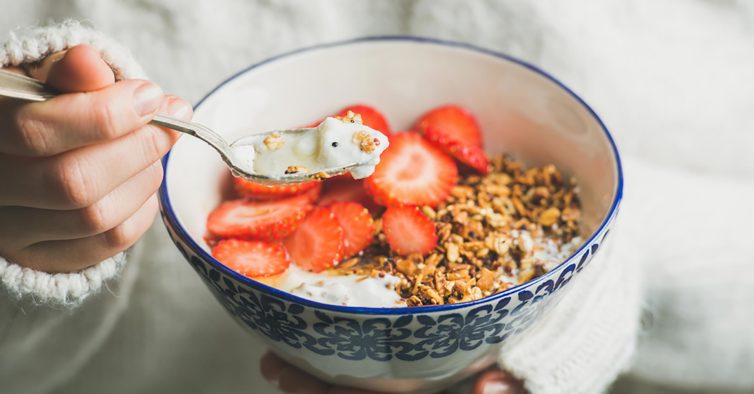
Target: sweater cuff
<point>63,288</point>
<point>29,45</point>
<point>589,339</point>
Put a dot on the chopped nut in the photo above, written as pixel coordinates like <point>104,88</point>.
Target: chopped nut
<point>549,217</point>
<point>365,141</point>
<point>452,252</point>
<point>320,176</point>
<point>405,266</point>
<point>486,279</point>
<point>429,212</point>
<point>295,169</point>
<point>350,117</point>
<point>274,141</point>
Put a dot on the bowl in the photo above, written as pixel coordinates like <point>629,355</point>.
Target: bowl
<point>522,110</point>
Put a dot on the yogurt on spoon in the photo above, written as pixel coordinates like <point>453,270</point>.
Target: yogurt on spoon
<point>334,143</point>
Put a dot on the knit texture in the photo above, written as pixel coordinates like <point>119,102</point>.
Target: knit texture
<point>29,45</point>
<point>62,288</point>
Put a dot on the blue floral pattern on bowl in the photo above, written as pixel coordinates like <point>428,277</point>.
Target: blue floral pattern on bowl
<point>407,337</point>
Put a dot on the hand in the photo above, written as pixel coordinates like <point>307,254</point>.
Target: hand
<point>79,172</point>
<point>292,380</point>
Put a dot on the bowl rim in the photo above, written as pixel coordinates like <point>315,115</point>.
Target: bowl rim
<point>170,216</point>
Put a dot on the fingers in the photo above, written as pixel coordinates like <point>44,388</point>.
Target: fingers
<point>77,119</point>
<point>80,69</point>
<point>79,178</point>
<point>271,366</point>
<point>496,381</point>
<point>294,381</point>
<point>36,225</point>
<point>75,255</point>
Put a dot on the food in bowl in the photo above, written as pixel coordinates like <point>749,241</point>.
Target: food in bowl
<point>437,222</point>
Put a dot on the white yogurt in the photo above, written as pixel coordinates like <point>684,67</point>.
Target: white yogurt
<point>333,143</point>
<point>351,290</point>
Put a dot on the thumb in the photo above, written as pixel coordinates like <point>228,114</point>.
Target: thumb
<point>496,381</point>
<point>80,69</point>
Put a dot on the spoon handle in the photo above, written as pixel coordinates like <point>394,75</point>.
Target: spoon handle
<point>22,87</point>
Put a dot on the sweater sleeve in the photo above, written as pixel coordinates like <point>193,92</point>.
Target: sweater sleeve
<point>590,337</point>
<point>29,45</point>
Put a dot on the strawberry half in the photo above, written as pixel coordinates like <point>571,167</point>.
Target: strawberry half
<point>412,172</point>
<point>252,258</point>
<point>357,224</point>
<point>408,231</point>
<point>369,116</point>
<point>468,154</point>
<point>345,189</point>
<point>317,244</point>
<point>265,220</point>
<point>259,191</point>
<point>452,122</point>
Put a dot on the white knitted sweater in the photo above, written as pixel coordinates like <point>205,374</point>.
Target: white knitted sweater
<point>155,328</point>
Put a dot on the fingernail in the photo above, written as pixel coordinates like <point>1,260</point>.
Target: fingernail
<point>147,98</point>
<point>179,109</point>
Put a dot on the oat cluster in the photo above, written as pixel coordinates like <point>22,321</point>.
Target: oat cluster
<point>365,141</point>
<point>274,141</point>
<point>351,117</point>
<point>490,232</point>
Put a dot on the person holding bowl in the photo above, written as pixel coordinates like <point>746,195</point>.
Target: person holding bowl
<point>82,272</point>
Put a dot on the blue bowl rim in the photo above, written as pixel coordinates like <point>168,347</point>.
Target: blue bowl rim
<point>181,232</point>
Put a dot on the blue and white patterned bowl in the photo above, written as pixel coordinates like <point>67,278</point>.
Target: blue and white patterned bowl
<point>522,111</point>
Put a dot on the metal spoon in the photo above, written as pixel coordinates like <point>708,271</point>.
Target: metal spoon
<point>21,87</point>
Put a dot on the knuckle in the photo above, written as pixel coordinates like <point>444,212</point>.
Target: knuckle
<point>72,184</point>
<point>121,237</point>
<point>105,120</point>
<point>155,176</point>
<point>34,133</point>
<point>153,143</point>
<point>96,218</point>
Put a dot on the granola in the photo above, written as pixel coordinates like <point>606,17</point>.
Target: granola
<point>494,232</point>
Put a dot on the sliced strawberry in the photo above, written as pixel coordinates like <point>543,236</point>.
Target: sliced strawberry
<point>265,220</point>
<point>468,154</point>
<point>358,226</point>
<point>259,191</point>
<point>317,244</point>
<point>369,116</point>
<point>252,258</point>
<point>344,189</point>
<point>408,231</point>
<point>412,172</point>
<point>452,122</point>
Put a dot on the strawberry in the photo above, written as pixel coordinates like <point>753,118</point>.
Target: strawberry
<point>265,220</point>
<point>468,154</point>
<point>252,258</point>
<point>344,189</point>
<point>369,116</point>
<point>452,122</point>
<point>412,172</point>
<point>357,224</point>
<point>408,231</point>
<point>317,244</point>
<point>259,191</point>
